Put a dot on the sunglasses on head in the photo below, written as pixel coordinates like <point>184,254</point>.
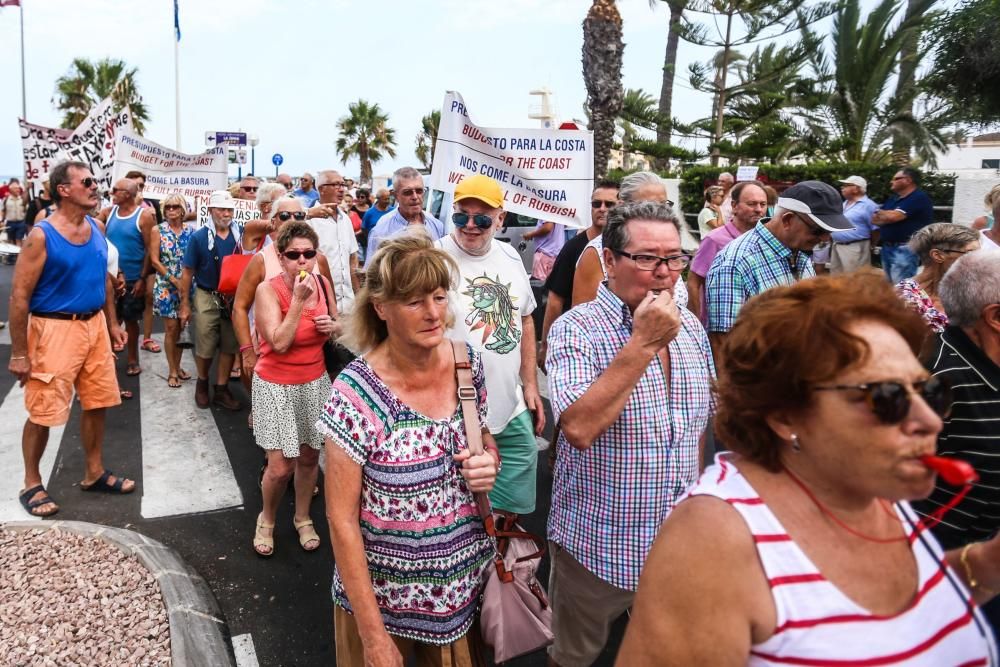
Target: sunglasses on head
<point>597,203</point>
<point>285,216</point>
<point>890,401</point>
<point>295,254</point>
<point>481,220</point>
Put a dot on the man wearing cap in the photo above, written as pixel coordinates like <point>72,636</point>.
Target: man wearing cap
<point>408,186</point>
<point>852,249</point>
<point>775,252</point>
<point>213,327</point>
<point>494,303</point>
<point>907,210</point>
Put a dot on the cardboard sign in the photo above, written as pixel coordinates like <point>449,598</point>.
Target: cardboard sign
<point>545,174</point>
<point>245,211</point>
<point>746,173</point>
<point>169,172</point>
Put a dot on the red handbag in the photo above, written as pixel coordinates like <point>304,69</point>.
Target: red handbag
<point>233,266</point>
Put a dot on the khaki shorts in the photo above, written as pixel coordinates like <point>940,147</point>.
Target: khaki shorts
<point>584,607</point>
<point>464,652</point>
<point>212,332</point>
<point>68,354</point>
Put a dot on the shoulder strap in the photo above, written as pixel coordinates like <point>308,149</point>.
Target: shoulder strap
<point>467,396</point>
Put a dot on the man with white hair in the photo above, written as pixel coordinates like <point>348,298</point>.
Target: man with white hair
<point>852,249</point>
<point>336,237</point>
<point>408,186</point>
<point>306,193</point>
<point>726,181</point>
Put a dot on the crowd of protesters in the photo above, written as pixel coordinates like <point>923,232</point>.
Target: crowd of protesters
<point>351,317</point>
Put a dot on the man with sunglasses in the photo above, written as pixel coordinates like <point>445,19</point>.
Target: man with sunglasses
<point>907,210</point>
<point>213,326</point>
<point>494,303</point>
<point>775,252</point>
<point>62,280</point>
<point>630,377</point>
<point>306,193</point>
<point>336,237</point>
<point>248,188</point>
<point>408,186</point>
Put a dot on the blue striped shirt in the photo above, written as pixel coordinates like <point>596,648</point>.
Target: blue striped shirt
<point>753,263</point>
<point>608,501</point>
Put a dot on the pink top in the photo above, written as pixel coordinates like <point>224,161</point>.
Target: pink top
<point>303,362</point>
<point>710,246</point>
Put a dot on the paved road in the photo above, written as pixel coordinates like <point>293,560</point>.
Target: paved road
<point>197,492</point>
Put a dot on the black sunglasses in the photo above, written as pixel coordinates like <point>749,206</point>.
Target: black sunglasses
<point>481,220</point>
<point>597,203</point>
<point>890,401</point>
<point>248,188</point>
<point>285,216</point>
<point>170,207</point>
<point>295,254</point>
<point>89,183</point>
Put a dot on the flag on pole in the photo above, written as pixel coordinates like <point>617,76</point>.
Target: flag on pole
<point>177,21</point>
<point>10,3</point>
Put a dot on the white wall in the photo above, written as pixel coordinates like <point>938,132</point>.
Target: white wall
<point>971,186</point>
<point>966,157</point>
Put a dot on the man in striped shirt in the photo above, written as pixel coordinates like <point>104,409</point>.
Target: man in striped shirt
<point>630,375</point>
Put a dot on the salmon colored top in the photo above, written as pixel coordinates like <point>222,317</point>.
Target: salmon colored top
<point>303,362</point>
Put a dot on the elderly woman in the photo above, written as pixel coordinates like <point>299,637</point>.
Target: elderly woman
<point>590,269</point>
<point>814,556</point>
<point>295,318</point>
<point>711,215</point>
<point>12,213</point>
<point>410,547</point>
<point>937,246</point>
<point>167,242</point>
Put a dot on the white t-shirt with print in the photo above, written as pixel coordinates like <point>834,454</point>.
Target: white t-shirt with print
<point>337,243</point>
<point>493,295</point>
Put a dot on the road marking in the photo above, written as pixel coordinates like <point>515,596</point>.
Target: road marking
<point>185,467</point>
<point>5,335</point>
<point>12,418</point>
<point>246,655</point>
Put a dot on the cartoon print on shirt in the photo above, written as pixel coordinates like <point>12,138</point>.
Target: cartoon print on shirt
<point>493,311</point>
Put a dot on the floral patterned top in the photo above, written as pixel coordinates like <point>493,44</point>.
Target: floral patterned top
<point>916,298</point>
<point>166,299</point>
<point>426,547</point>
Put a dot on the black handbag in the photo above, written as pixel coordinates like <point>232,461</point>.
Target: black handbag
<point>335,356</point>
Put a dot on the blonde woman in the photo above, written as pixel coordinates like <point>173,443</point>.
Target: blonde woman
<point>991,200</point>
<point>167,243</point>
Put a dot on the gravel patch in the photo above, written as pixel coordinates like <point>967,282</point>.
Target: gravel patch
<point>68,599</point>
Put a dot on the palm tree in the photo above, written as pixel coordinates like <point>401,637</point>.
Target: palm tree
<point>677,8</point>
<point>602,72</point>
<point>364,133</point>
<point>427,138</point>
<point>638,109</point>
<point>87,83</point>
<point>909,58</point>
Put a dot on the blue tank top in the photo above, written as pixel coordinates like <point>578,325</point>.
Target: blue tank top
<point>72,279</point>
<point>125,234</point>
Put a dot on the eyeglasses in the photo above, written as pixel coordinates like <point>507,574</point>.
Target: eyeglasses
<point>960,252</point>
<point>814,230</point>
<point>295,254</point>
<point>597,203</point>
<point>338,184</point>
<point>890,401</point>
<point>248,188</point>
<point>481,220</point>
<point>285,216</point>
<point>652,262</point>
<point>113,190</point>
<point>409,192</point>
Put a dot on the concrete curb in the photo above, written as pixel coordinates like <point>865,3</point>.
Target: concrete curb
<point>199,634</point>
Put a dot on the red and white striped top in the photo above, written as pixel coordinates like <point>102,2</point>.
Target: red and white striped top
<point>818,625</point>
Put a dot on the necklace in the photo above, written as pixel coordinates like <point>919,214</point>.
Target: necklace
<point>829,514</point>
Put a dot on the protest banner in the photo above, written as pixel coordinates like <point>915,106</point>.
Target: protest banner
<point>245,211</point>
<point>545,174</point>
<point>747,173</point>
<point>169,172</point>
<point>92,142</point>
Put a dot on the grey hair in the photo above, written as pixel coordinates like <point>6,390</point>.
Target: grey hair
<point>632,183</point>
<point>615,235</point>
<point>971,284</point>
<point>324,177</point>
<point>943,236</point>
<point>405,174</point>
<point>268,193</point>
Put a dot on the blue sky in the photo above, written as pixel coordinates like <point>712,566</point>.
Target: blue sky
<point>286,71</point>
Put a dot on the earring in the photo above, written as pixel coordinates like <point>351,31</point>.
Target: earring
<point>795,443</point>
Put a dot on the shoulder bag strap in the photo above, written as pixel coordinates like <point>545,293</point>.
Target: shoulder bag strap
<point>470,415</point>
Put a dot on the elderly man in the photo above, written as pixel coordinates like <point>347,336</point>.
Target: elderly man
<point>630,377</point>
<point>408,186</point>
<point>907,210</point>
<point>336,237</point>
<point>494,307</point>
<point>128,228</point>
<point>213,327</point>
<point>748,204</point>
<point>852,250</point>
<point>285,180</point>
<point>726,181</point>
<point>61,279</point>
<point>773,253</point>
<point>248,188</point>
<point>306,193</point>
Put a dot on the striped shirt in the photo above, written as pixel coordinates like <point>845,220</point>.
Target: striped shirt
<point>608,501</point>
<point>753,263</point>
<point>817,624</point>
<point>972,433</point>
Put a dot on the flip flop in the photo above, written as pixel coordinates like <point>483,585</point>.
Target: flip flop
<point>133,369</point>
<point>101,484</point>
<point>30,505</point>
<point>150,345</point>
<point>125,394</point>
<point>174,382</point>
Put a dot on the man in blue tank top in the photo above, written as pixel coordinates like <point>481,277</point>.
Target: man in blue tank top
<point>61,279</point>
<point>128,227</point>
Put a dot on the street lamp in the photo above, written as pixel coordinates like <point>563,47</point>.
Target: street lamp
<point>253,144</point>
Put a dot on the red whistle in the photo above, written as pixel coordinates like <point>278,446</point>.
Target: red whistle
<point>953,471</point>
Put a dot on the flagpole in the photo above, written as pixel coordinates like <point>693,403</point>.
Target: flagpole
<point>177,75</point>
<point>24,96</point>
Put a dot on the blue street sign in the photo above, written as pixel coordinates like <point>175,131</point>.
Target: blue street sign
<point>232,138</point>
<point>276,159</point>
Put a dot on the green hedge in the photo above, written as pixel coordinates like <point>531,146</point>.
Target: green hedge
<point>940,186</point>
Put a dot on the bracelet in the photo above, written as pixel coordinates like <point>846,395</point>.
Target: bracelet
<point>244,348</point>
<point>17,358</point>
<point>964,560</point>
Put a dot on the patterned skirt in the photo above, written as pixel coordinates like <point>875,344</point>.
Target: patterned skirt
<point>284,415</point>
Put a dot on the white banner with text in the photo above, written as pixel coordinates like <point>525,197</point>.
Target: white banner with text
<point>168,171</point>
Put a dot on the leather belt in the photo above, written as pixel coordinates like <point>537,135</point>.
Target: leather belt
<point>66,316</point>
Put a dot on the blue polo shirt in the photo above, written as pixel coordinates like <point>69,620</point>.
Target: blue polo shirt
<point>919,210</point>
<point>372,216</point>
<point>308,199</point>
<point>207,264</point>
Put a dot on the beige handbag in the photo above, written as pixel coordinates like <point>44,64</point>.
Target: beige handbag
<point>515,617</point>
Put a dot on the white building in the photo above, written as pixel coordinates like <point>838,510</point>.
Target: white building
<point>982,152</point>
